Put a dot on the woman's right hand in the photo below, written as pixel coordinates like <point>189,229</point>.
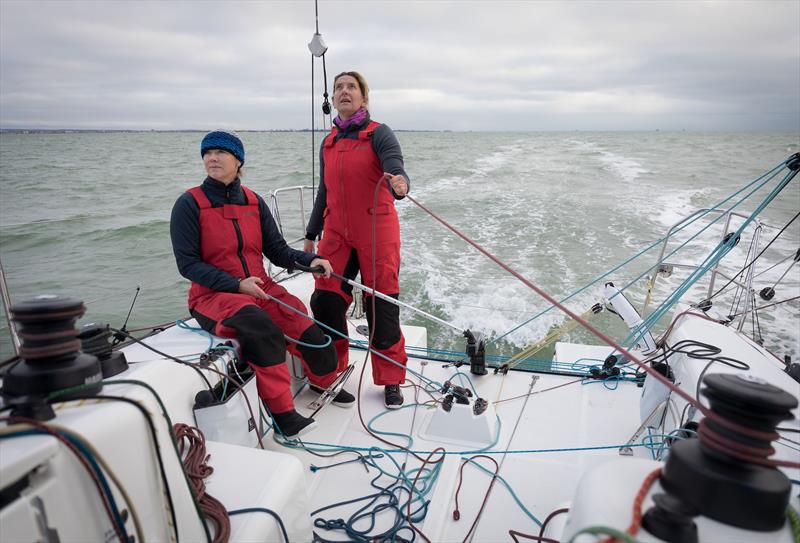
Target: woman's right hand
<point>308,246</point>
<point>250,286</point>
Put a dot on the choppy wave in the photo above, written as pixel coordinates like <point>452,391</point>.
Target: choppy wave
<point>560,208</point>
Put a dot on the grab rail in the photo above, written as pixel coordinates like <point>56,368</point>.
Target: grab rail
<point>663,265</point>
<point>15,342</point>
<point>301,192</point>
<point>276,212</point>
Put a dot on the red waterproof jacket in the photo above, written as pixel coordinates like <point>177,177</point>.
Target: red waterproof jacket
<point>230,239</point>
<point>352,170</point>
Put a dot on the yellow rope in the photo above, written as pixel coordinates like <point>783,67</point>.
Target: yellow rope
<point>567,327</point>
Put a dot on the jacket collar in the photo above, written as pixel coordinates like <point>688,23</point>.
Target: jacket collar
<point>218,191</point>
<point>356,127</point>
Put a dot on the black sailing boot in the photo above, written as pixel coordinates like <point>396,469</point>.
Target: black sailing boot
<point>292,423</point>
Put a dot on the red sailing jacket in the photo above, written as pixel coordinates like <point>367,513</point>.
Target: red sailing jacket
<point>230,239</point>
<point>351,171</point>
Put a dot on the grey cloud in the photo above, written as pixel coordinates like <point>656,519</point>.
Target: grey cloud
<point>438,65</point>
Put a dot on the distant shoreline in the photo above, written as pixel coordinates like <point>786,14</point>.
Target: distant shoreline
<point>321,131</point>
<point>133,131</point>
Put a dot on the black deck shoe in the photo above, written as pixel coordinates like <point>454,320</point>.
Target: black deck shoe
<point>342,399</point>
<point>392,396</point>
<point>292,423</point>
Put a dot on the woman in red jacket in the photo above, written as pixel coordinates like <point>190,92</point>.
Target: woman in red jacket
<point>358,158</point>
<point>221,231</point>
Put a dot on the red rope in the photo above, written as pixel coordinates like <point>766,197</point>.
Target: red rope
<point>456,512</point>
<point>515,533</point>
<point>414,487</point>
<point>756,455</point>
<point>196,464</point>
<point>550,517</point>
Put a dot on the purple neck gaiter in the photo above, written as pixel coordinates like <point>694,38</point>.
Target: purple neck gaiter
<point>354,120</point>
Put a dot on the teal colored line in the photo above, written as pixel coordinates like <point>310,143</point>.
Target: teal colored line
<point>508,487</point>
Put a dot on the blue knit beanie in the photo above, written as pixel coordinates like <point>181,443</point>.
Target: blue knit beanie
<point>223,139</point>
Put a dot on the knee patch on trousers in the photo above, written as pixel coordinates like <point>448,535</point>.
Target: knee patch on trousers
<point>330,309</point>
<point>320,361</point>
<point>261,339</point>
<point>387,324</point>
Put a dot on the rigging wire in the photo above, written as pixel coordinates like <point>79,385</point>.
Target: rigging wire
<point>722,248</point>
<point>759,308</point>
<point>782,230</point>
<point>761,179</point>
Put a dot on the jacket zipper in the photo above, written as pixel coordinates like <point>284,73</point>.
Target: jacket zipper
<point>240,244</point>
<point>343,192</point>
<point>239,238</point>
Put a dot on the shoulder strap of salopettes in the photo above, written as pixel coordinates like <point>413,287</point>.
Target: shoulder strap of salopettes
<point>250,196</point>
<point>200,197</point>
<point>368,131</point>
<point>330,139</point>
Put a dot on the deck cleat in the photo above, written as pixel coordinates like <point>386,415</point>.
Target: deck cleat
<point>476,351</point>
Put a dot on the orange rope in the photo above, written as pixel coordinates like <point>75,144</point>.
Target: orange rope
<point>636,522</point>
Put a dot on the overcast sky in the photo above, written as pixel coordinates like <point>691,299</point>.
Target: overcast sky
<point>467,65</point>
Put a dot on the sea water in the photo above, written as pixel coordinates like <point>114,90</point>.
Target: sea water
<point>86,214</point>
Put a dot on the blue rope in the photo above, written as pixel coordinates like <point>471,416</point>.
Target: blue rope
<point>401,482</point>
<point>87,454</point>
<point>182,325</point>
<point>508,487</point>
<point>264,510</point>
<point>311,345</point>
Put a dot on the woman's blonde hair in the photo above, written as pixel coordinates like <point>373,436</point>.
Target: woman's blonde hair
<point>362,85</point>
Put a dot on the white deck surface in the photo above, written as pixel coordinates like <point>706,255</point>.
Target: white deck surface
<point>545,444</point>
<point>571,417</point>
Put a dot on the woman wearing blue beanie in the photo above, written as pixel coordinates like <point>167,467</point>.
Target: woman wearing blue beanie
<point>220,231</point>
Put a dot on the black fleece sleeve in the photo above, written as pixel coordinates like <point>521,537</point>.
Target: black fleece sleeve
<point>316,221</point>
<point>184,230</point>
<point>274,246</point>
<point>387,148</point>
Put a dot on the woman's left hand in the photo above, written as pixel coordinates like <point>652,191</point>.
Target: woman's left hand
<point>398,183</point>
<point>325,265</point>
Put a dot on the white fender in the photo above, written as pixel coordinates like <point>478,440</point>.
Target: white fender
<point>622,306</point>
